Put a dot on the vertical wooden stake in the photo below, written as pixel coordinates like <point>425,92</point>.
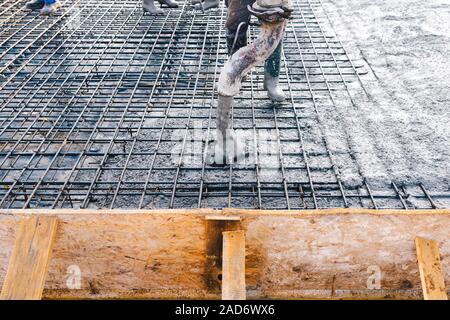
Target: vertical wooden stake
<point>30,258</point>
<point>233,273</point>
<point>428,257</point>
<point>215,227</point>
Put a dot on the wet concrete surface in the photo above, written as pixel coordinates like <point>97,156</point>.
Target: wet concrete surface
<point>370,111</point>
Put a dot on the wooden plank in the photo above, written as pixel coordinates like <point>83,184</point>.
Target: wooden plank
<point>430,269</point>
<point>281,262</point>
<point>223,218</point>
<point>228,211</point>
<point>30,258</point>
<point>215,227</point>
<point>335,211</point>
<point>233,273</point>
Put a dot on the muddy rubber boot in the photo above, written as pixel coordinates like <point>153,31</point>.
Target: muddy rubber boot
<point>272,76</point>
<point>149,6</point>
<point>235,42</point>
<point>227,147</point>
<point>35,4</point>
<point>169,3</point>
<point>206,4</point>
<point>49,9</point>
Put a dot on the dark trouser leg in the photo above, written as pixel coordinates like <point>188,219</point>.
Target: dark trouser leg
<point>238,18</point>
<point>272,65</point>
<point>271,76</point>
<point>235,41</point>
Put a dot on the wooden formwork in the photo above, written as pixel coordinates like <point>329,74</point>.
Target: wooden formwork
<point>206,253</point>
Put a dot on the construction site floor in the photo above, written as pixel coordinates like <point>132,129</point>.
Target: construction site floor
<point>103,106</point>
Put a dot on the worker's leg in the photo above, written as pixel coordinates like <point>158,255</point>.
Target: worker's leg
<point>149,6</point>
<point>238,18</point>
<point>51,6</point>
<point>272,76</point>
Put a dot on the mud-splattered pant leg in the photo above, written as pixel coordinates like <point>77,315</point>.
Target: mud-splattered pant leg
<point>237,13</point>
<point>238,18</point>
<point>272,65</point>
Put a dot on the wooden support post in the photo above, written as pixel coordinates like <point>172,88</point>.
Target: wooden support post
<point>233,273</point>
<point>428,257</point>
<point>30,258</point>
<point>215,226</point>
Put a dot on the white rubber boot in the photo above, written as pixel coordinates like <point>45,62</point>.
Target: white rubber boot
<point>149,6</point>
<point>206,4</point>
<point>274,91</point>
<point>169,3</point>
<point>271,76</point>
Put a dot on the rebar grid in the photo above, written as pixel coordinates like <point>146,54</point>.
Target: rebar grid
<point>103,106</point>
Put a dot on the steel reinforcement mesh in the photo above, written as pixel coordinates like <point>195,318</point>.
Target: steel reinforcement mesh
<point>102,106</point>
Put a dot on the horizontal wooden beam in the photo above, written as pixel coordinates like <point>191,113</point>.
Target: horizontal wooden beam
<point>289,254</point>
<point>224,212</point>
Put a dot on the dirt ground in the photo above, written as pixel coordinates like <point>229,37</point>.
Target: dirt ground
<point>403,132</point>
